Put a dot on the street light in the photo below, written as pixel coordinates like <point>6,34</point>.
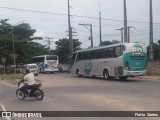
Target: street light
<point>91,34</point>
<point>121,29</point>
<point>129,32</point>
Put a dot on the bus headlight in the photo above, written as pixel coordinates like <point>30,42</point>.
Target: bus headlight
<point>127,66</point>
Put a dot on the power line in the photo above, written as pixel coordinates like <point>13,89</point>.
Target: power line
<point>81,16</point>
<point>38,18</point>
<point>24,10</point>
<point>144,14</point>
<point>133,1</point>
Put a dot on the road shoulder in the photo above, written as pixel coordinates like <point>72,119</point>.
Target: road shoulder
<point>6,83</point>
<point>148,77</point>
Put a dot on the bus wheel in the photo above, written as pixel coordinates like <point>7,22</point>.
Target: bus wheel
<point>78,73</point>
<point>123,78</point>
<point>93,76</point>
<point>106,74</point>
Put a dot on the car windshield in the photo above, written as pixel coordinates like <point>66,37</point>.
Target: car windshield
<point>32,66</point>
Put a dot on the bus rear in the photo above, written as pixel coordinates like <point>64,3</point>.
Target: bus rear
<point>135,59</point>
<point>46,63</point>
<point>51,63</point>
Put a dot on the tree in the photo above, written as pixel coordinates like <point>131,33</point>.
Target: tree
<point>62,48</point>
<point>159,42</point>
<point>5,39</point>
<point>109,42</point>
<point>156,50</point>
<point>22,35</point>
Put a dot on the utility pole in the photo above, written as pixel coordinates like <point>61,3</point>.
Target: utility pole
<point>70,32</point>
<point>121,29</point>
<point>91,35</point>
<point>49,43</point>
<point>129,32</point>
<point>125,22</point>
<point>14,55</point>
<point>151,54</point>
<point>100,26</point>
<point>73,33</point>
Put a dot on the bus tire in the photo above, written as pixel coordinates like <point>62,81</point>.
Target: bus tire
<point>93,76</point>
<point>78,73</point>
<point>123,78</point>
<point>106,74</point>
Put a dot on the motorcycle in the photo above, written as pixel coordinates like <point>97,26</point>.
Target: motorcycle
<point>34,91</point>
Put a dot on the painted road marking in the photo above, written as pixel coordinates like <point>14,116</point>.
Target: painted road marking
<point>4,109</point>
<point>111,102</point>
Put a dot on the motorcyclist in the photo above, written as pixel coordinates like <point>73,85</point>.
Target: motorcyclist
<point>29,80</point>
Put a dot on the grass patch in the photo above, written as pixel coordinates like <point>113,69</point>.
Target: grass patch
<point>11,78</point>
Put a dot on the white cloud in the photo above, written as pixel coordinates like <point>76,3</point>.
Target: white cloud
<point>39,34</point>
<point>46,24</point>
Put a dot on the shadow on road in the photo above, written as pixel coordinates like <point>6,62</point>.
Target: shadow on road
<point>113,80</point>
<point>27,100</point>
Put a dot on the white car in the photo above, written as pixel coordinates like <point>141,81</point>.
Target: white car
<point>32,67</point>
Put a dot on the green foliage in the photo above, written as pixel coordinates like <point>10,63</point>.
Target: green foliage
<point>24,45</point>
<point>109,42</point>
<point>62,48</point>
<point>156,50</point>
<point>11,76</point>
<point>23,31</point>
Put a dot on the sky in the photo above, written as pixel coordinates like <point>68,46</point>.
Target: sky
<point>51,20</point>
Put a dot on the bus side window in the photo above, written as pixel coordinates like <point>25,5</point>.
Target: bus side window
<point>92,55</point>
<point>105,53</point>
<point>79,56</point>
<point>108,53</point>
<point>111,53</point>
<point>122,49</point>
<point>99,54</point>
<point>85,55</point>
<point>119,51</point>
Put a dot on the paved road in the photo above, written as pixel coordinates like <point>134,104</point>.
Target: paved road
<point>64,92</point>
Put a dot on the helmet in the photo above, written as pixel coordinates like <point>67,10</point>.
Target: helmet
<point>27,71</point>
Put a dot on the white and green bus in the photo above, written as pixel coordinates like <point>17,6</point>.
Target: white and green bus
<point>120,60</point>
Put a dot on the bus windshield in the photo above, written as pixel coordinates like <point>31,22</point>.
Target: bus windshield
<point>37,59</point>
<point>51,57</point>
